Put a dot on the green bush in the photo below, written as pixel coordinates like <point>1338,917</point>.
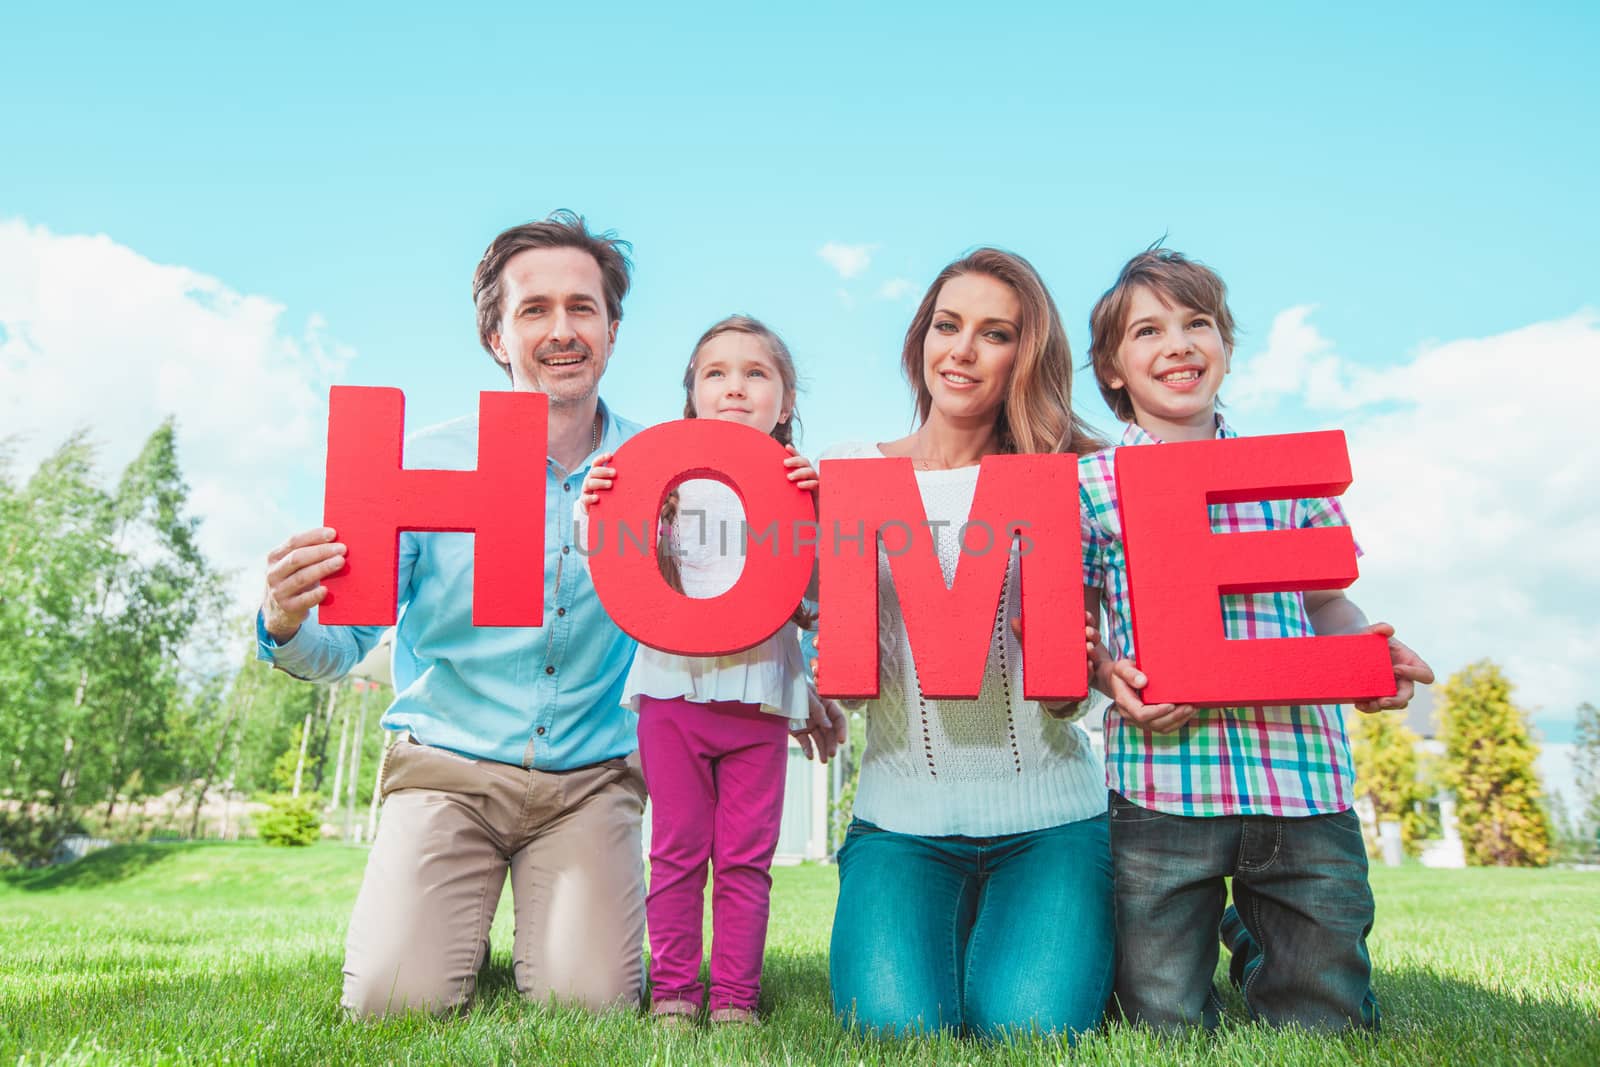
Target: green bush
<point>290,820</point>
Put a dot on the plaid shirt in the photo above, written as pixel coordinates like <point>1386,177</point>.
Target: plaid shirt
<point>1291,760</point>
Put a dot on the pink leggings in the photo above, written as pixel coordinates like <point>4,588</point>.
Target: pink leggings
<point>715,774</point>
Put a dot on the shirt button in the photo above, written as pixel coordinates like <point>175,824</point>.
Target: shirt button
<point>540,731</point>
<point>561,611</point>
<point>566,487</point>
<point>549,670</point>
<point>565,549</point>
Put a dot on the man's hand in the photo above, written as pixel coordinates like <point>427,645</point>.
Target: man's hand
<point>1122,681</point>
<point>1409,669</point>
<point>598,480</point>
<point>295,570</point>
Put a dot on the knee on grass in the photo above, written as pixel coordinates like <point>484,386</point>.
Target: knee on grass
<point>373,997</point>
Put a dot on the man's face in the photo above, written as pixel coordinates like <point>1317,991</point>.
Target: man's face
<point>554,332</point>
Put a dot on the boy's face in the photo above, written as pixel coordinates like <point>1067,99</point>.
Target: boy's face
<point>1171,359</point>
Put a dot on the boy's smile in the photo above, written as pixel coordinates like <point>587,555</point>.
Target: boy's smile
<point>1172,361</point>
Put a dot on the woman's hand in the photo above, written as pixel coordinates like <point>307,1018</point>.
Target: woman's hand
<point>1094,653</point>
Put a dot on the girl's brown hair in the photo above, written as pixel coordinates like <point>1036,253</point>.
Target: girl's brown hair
<point>783,432</point>
<point>1037,415</point>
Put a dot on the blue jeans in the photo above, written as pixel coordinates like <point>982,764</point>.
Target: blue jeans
<point>1300,887</point>
<point>985,935</point>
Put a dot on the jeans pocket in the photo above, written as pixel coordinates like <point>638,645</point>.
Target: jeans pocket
<point>1125,812</point>
<point>857,831</point>
<point>1346,821</point>
<point>860,828</point>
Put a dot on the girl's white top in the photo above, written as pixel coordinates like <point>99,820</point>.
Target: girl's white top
<point>980,768</point>
<point>709,538</point>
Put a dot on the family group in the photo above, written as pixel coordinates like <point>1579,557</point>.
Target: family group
<point>998,875</point>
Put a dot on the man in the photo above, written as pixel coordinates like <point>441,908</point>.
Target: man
<point>516,754</point>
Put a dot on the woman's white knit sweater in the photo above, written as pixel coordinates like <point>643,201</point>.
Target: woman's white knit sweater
<point>978,768</point>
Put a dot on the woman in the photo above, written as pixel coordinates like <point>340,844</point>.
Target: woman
<point>974,881</point>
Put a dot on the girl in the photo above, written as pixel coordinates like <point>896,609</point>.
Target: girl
<point>974,881</point>
<point>713,732</point>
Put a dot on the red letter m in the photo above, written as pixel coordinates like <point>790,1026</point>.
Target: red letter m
<point>952,627</point>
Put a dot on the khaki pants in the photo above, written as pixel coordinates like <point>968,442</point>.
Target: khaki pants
<point>452,827</point>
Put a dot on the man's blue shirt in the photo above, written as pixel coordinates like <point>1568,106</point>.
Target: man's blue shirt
<point>545,697</point>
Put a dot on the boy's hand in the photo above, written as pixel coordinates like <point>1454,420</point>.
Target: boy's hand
<point>598,480</point>
<point>1409,669</point>
<point>1122,681</point>
<point>801,473</point>
<point>1094,652</point>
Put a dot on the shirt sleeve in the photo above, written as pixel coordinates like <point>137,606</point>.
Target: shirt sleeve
<point>1095,539</point>
<point>1323,511</point>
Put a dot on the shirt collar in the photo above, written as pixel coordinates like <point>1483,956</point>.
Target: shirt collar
<point>1134,434</point>
<point>611,438</point>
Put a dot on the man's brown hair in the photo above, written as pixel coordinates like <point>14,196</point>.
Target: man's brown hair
<point>560,229</point>
<point>1176,280</point>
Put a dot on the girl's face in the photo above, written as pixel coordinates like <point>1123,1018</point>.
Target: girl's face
<point>736,379</point>
<point>971,346</point>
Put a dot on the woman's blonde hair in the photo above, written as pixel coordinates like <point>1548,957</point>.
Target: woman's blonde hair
<point>783,432</point>
<point>1037,415</point>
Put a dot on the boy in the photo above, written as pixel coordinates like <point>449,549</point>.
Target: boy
<point>1259,794</point>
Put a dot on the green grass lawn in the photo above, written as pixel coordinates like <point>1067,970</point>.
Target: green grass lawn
<point>231,954</point>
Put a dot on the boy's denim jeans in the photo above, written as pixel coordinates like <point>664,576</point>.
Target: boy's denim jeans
<point>1300,886</point>
<point>985,935</point>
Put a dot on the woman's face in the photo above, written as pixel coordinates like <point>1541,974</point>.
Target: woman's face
<point>970,347</point>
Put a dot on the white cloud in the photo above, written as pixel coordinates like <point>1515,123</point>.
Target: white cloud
<point>93,334</point>
<point>1474,495</point>
<point>895,289</point>
<point>849,260</point>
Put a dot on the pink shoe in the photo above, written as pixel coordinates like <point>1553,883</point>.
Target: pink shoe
<point>674,1014</point>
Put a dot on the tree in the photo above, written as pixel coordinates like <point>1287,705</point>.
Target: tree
<point>1586,762</point>
<point>1387,774</point>
<point>100,597</point>
<point>54,551</point>
<point>1489,758</point>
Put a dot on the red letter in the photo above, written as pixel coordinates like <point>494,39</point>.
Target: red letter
<point>776,572</point>
<point>951,627</point>
<point>1177,568</point>
<point>370,499</point>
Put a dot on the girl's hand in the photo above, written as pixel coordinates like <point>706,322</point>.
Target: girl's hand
<point>1409,669</point>
<point>801,472</point>
<point>597,481</point>
<point>827,729</point>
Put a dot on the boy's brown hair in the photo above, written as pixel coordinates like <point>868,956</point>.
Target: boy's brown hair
<point>1175,279</point>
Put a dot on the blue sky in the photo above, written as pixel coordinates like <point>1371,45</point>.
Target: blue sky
<point>1374,183</point>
